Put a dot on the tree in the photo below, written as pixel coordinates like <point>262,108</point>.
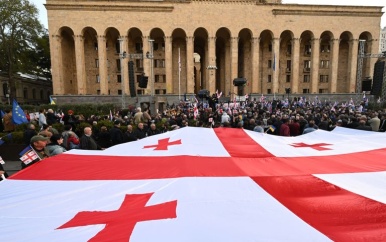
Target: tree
<point>19,30</point>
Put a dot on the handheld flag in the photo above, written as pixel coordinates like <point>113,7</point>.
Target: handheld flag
<point>18,116</point>
<point>52,101</point>
<point>28,155</point>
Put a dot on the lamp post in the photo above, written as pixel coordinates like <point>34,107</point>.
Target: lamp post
<point>122,56</point>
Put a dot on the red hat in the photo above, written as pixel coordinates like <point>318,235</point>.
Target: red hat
<point>70,112</point>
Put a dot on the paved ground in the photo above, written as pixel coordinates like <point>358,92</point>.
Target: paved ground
<point>11,167</point>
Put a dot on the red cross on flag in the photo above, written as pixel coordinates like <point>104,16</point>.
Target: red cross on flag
<point>198,184</point>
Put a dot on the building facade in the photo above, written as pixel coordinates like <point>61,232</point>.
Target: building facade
<point>30,89</point>
<point>205,44</point>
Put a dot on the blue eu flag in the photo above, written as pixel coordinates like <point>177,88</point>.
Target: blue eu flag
<point>18,116</point>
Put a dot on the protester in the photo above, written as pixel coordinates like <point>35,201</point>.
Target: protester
<point>130,135</point>
<point>116,133</point>
<point>29,133</point>
<point>37,147</point>
<point>87,142</point>
<point>9,126</point>
<point>55,147</point>
<point>42,118</point>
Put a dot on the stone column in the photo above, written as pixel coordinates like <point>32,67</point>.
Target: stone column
<point>334,63</point>
<point>80,64</point>
<point>102,56</point>
<point>168,64</point>
<point>190,64</point>
<point>275,63</point>
<point>315,65</point>
<point>353,61</point>
<point>56,64</point>
<point>211,76</point>
<point>295,65</point>
<point>256,82</point>
<point>234,59</point>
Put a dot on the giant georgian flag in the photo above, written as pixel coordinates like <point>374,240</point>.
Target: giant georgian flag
<point>197,184</point>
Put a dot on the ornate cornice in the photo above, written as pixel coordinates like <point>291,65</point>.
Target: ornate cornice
<point>325,13</point>
<point>129,8</point>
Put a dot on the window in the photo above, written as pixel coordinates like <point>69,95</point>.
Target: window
<point>270,48</point>
<point>269,91</point>
<point>138,47</point>
<point>119,78</point>
<point>156,78</point>
<point>98,92</point>
<point>289,50</point>
<point>138,77</point>
<point>160,91</point>
<point>306,90</point>
<point>140,91</point>
<point>25,93</point>
<point>163,78</point>
<point>269,63</point>
<point>325,48</point>
<point>118,64</point>
<point>139,64</point>
<point>33,93</point>
<point>324,64</point>
<point>323,78</point>
<point>288,78</point>
<point>307,49</point>
<point>98,79</point>
<point>307,66</point>
<point>289,64</point>
<point>5,89</point>
<point>159,63</point>
<point>117,47</point>
<point>41,94</point>
<point>269,78</point>
<point>306,78</point>
<point>97,63</point>
<point>323,90</point>
<point>119,92</point>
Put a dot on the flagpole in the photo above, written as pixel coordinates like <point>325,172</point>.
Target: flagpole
<point>179,74</point>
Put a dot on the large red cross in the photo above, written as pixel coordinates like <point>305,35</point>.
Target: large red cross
<point>123,220</point>
<point>288,179</point>
<point>317,146</point>
<point>163,144</point>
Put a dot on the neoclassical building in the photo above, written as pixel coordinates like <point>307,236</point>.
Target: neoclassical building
<point>205,44</point>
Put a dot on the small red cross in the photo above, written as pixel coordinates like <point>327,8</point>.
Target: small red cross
<point>163,144</point>
<point>122,221</point>
<point>317,146</point>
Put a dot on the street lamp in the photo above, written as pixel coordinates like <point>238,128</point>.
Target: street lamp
<point>122,56</point>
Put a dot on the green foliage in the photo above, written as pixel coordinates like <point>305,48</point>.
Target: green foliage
<point>16,137</point>
<point>59,127</point>
<point>19,29</point>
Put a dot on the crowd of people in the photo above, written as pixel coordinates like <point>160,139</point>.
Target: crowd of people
<point>275,117</point>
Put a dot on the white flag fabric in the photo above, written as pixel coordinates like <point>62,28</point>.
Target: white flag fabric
<point>199,184</point>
